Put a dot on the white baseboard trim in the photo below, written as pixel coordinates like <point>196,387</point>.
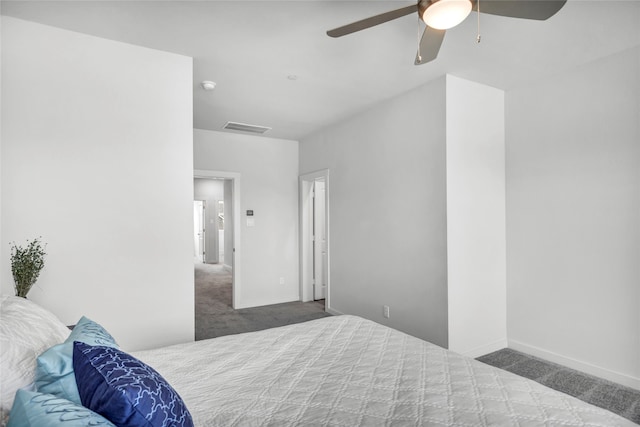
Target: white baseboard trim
<point>578,365</point>
<point>332,311</point>
<point>485,349</point>
<point>263,302</point>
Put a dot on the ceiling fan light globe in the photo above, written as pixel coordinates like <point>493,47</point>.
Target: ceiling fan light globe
<point>445,14</point>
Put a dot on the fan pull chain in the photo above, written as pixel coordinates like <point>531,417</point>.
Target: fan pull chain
<point>479,37</point>
<point>419,54</point>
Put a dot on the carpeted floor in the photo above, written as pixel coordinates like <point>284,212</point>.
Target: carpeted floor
<point>215,316</point>
<point>616,398</point>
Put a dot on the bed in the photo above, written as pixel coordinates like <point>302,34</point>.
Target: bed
<point>348,371</point>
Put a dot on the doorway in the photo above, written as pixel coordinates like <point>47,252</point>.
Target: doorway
<point>220,192</point>
<point>209,192</point>
<point>314,238</point>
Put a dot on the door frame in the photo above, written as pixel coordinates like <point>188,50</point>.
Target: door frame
<point>306,182</point>
<point>236,271</point>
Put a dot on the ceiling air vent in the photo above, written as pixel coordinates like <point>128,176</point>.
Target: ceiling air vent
<point>243,127</point>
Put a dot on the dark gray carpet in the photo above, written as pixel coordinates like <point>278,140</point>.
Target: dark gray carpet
<point>214,316</point>
<point>616,398</point>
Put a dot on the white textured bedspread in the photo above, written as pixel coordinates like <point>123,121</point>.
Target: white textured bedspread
<point>348,371</point>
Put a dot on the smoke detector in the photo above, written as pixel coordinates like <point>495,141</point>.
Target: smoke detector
<point>208,85</point>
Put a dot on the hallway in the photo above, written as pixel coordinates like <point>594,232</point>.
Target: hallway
<point>213,289</point>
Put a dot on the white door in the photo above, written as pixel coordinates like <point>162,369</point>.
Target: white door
<point>220,227</point>
<point>199,229</point>
<point>319,241</point>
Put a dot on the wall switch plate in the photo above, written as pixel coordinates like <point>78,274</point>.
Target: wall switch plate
<point>282,280</point>
<point>385,311</point>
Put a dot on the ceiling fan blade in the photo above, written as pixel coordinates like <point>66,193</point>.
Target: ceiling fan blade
<point>527,9</point>
<point>429,45</point>
<point>373,21</point>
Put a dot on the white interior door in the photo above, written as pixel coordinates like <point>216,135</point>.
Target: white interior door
<point>308,251</point>
<point>220,227</point>
<point>199,229</point>
<point>319,241</point>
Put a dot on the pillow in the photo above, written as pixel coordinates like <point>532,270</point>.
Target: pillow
<point>90,332</point>
<point>26,330</point>
<point>125,390</point>
<point>54,371</point>
<point>31,409</point>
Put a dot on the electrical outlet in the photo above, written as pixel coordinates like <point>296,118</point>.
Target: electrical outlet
<point>282,280</point>
<point>385,311</point>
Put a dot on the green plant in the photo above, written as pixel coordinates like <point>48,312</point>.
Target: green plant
<point>26,264</point>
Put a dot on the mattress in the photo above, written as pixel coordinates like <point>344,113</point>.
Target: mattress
<point>348,371</point>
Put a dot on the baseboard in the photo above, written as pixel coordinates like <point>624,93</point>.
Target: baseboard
<point>227,267</point>
<point>485,349</point>
<point>263,302</point>
<point>332,311</point>
<point>578,365</point>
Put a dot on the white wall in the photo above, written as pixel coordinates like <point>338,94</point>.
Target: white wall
<point>573,217</point>
<point>476,242</point>
<point>269,170</point>
<point>211,191</point>
<point>3,251</point>
<point>388,211</point>
<point>97,159</point>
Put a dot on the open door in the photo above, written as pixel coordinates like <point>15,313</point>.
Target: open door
<point>319,240</point>
<point>199,230</point>
<point>315,256</point>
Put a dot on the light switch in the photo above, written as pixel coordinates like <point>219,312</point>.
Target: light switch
<point>251,222</point>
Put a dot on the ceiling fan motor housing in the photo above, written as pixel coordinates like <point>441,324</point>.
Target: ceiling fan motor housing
<point>444,14</point>
<point>423,5</point>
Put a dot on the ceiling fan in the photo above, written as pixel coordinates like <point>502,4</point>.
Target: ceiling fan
<point>440,15</point>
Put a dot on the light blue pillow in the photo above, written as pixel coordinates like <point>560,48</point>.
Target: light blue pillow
<point>92,333</point>
<point>125,390</point>
<point>32,409</point>
<point>54,371</point>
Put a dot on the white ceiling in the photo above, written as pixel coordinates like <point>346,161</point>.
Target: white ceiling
<point>249,48</point>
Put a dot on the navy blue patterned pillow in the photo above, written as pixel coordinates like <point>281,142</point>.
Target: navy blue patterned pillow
<point>125,390</point>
